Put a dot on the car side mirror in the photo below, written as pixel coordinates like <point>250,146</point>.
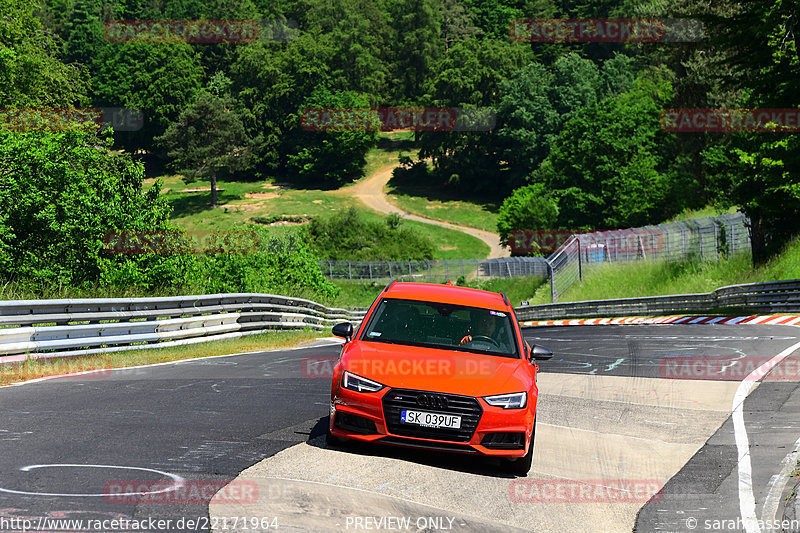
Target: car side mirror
<point>540,353</point>
<point>344,329</point>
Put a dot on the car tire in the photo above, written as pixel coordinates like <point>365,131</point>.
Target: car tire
<point>520,466</point>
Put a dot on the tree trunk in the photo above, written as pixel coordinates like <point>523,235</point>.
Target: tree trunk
<point>213,189</point>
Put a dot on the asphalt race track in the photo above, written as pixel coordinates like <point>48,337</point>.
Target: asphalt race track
<point>626,439</point>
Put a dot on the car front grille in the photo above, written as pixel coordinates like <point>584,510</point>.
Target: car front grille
<point>466,407</point>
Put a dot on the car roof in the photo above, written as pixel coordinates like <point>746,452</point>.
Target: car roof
<point>437,292</point>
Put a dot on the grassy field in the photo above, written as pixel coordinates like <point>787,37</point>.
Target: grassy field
<point>430,202</point>
<point>37,368</point>
<point>240,202</point>
<point>654,278</point>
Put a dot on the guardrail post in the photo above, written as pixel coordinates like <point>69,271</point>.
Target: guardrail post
<point>666,242</point>
<point>350,270</point>
<point>369,264</point>
<point>580,272</point>
<point>716,239</point>
<point>391,277</point>
<point>552,282</point>
<point>330,269</point>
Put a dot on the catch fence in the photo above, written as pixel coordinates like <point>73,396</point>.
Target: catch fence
<point>707,239</point>
<point>435,271</point>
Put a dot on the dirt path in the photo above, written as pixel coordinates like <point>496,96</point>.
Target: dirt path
<point>370,192</point>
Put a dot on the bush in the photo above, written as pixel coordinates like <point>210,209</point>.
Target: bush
<point>347,236</point>
<point>59,197</point>
<point>529,207</point>
<point>281,265</point>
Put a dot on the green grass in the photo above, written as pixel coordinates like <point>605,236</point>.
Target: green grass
<point>192,212</point>
<point>363,293</point>
<point>655,278</point>
<point>240,202</point>
<point>37,368</point>
<point>431,202</point>
<point>708,211</point>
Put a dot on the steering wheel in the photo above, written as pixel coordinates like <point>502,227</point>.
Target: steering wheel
<point>485,339</point>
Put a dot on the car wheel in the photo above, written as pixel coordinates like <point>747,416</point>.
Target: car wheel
<point>521,466</point>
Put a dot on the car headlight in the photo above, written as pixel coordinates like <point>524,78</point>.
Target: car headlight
<point>357,383</point>
<point>516,400</point>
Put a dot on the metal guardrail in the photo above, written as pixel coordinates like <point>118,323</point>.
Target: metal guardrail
<point>57,328</point>
<point>768,297</point>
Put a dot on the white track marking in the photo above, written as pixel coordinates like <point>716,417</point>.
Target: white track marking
<point>777,484</point>
<point>177,481</point>
<point>747,502</point>
<point>179,361</point>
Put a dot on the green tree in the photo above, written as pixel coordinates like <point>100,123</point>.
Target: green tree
<point>606,165</point>
<point>159,79</point>
<point>31,73</point>
<point>60,196</point>
<point>271,81</point>
<point>469,76</point>
<point>457,23</point>
<point>536,102</point>
<point>418,45</point>
<point>529,207</point>
<point>83,33</point>
<point>208,139</point>
<point>760,172</point>
<point>331,157</point>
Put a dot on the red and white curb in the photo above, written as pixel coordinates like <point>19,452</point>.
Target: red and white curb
<point>787,320</point>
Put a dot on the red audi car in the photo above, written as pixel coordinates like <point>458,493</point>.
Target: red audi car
<point>438,367</point>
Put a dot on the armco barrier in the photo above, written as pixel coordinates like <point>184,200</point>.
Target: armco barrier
<point>768,297</point>
<point>57,328</point>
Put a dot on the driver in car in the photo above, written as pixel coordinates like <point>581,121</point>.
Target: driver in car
<point>483,324</point>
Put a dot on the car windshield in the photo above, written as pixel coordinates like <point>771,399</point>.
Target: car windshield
<point>439,325</point>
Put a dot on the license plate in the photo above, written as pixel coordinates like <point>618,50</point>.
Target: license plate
<point>432,420</point>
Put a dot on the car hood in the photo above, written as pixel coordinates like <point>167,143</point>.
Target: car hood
<point>438,370</point>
